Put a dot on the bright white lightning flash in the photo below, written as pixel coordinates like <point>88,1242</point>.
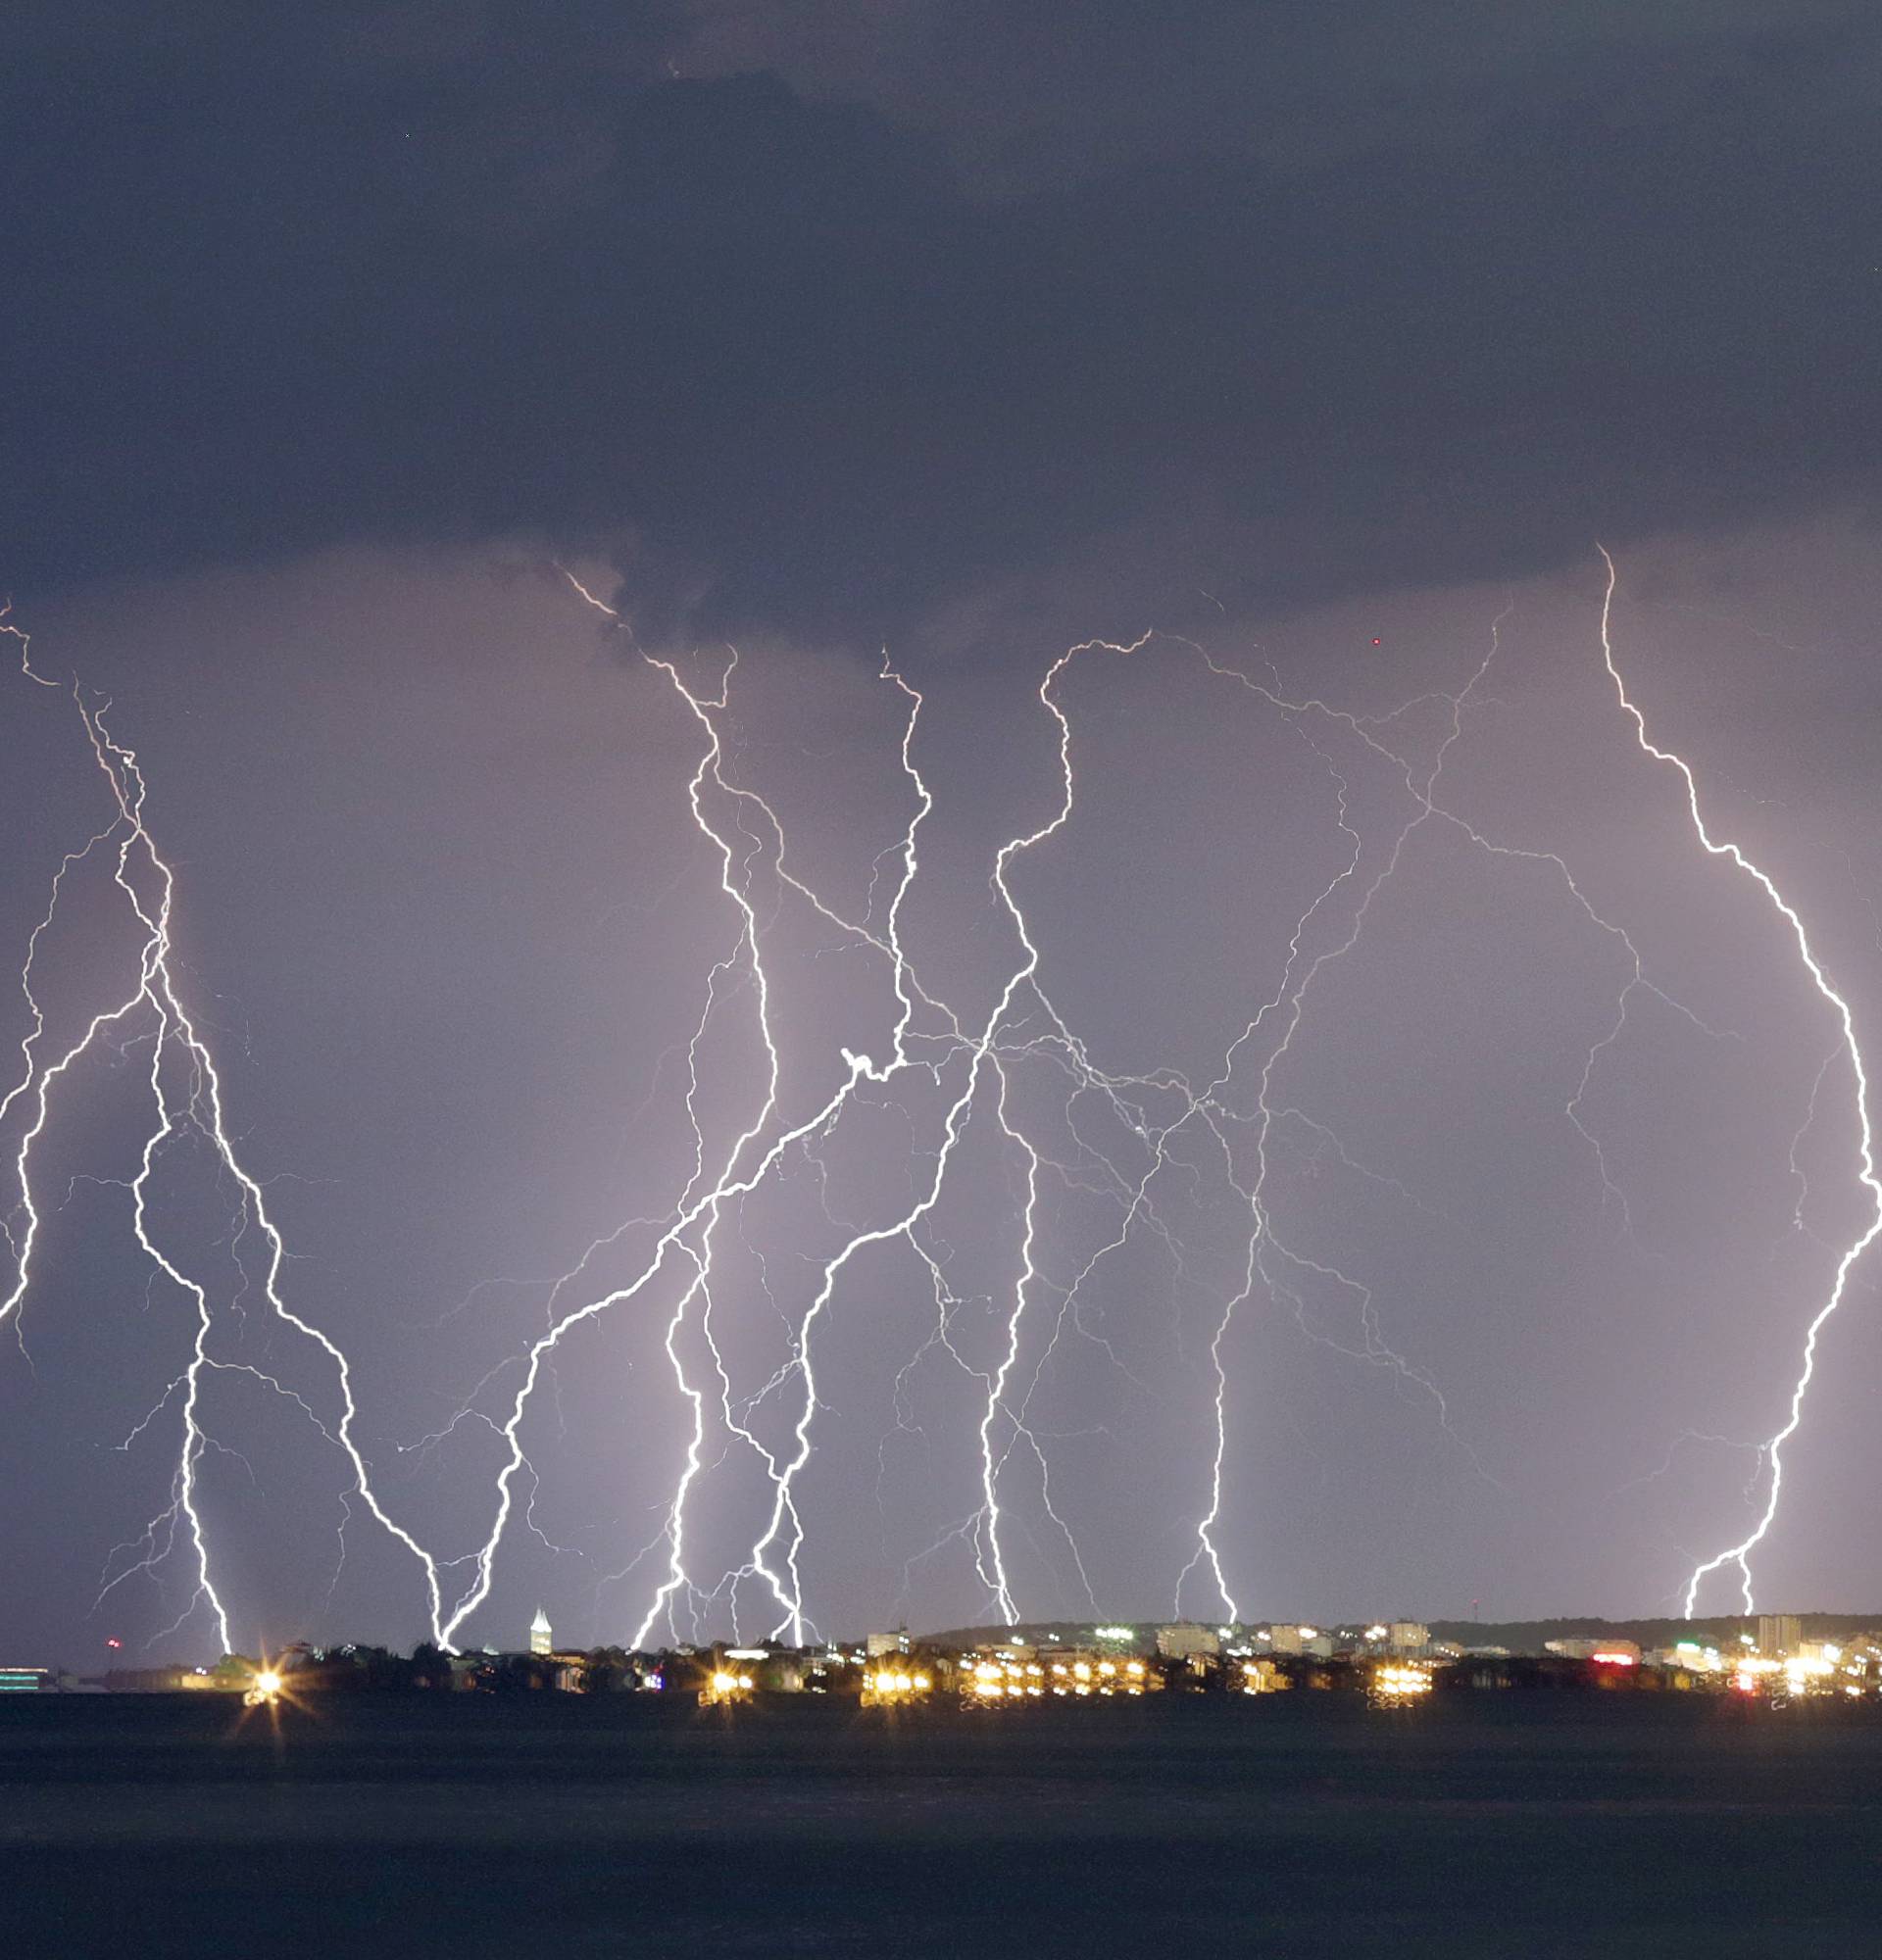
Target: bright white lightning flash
<point>970,1067</point>
<point>774,1556</point>
<point>177,1048</point>
<point>1739,1554</point>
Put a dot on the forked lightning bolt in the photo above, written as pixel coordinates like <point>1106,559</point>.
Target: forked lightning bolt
<point>194,1102</point>
<point>1739,1555</point>
<point>945,1071</point>
<point>774,1556</point>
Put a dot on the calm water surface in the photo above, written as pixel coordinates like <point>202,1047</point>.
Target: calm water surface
<point>1522,1825</point>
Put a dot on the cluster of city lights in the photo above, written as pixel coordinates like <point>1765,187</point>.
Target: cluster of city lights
<point>725,1685</point>
<point>894,1685</point>
<point>993,1680</point>
<point>1800,1674</point>
<point>1813,1670</point>
<point>1396,1683</point>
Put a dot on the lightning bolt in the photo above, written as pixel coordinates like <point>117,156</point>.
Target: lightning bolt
<point>1740,1554</point>
<point>943,1074</point>
<point>1264,1245</point>
<point>774,1556</point>
<point>148,884</point>
<point>691,1231</point>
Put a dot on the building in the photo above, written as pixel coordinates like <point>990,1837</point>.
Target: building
<point>999,1676</point>
<point>1087,1670</point>
<point>1779,1633</point>
<point>880,1645</point>
<point>152,1680</point>
<point>1408,1637</point>
<point>1186,1639</point>
<point>26,1680</point>
<point>1615,1653</point>
<point>542,1639</point>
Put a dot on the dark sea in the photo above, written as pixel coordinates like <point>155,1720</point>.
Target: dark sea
<point>1513,1824</point>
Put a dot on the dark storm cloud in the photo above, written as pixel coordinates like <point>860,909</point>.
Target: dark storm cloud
<point>871,308</point>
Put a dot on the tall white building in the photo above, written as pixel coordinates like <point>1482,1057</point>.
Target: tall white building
<point>1185,1637</point>
<point>541,1639</point>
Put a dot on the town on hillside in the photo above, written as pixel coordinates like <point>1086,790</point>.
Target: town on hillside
<point>1775,1660</point>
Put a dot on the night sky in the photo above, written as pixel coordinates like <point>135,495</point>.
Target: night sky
<point>1325,347</point>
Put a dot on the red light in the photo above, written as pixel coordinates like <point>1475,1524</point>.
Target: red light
<point>1377,643</point>
<point>114,1644</point>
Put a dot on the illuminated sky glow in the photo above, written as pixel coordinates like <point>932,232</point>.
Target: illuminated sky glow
<point>1065,1292</point>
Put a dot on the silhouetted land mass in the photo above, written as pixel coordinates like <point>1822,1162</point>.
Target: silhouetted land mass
<point>1519,1635</point>
<point>1301,1825</point>
<point>1530,1636</point>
